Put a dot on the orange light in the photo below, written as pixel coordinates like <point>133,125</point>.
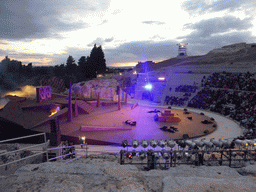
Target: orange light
<point>54,110</point>
<point>52,113</point>
<point>161,78</point>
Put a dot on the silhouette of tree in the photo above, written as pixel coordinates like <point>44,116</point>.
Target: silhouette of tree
<point>96,62</point>
<point>83,68</point>
<point>71,65</point>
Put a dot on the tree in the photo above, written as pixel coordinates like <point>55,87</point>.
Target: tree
<point>83,68</point>
<point>71,65</point>
<point>97,62</point>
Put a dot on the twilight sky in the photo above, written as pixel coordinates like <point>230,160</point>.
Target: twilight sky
<point>46,32</point>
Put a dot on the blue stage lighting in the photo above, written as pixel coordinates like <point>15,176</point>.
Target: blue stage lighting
<point>148,86</point>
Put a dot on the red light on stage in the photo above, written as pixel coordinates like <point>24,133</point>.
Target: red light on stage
<point>161,78</point>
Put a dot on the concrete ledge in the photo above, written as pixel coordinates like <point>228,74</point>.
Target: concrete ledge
<point>95,128</point>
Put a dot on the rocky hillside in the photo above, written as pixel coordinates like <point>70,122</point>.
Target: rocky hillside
<point>104,173</point>
<point>236,53</point>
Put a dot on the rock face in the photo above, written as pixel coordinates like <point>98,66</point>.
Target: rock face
<point>106,88</point>
<point>104,173</point>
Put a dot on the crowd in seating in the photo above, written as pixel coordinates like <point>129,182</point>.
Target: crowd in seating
<point>186,88</point>
<point>172,100</point>
<point>238,105</point>
<point>237,81</point>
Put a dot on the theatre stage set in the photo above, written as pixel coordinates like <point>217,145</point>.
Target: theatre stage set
<point>105,120</point>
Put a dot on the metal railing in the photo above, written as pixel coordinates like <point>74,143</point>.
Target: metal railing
<point>45,145</point>
<point>69,154</point>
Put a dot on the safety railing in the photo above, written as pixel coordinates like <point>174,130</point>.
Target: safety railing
<point>69,154</point>
<point>44,145</point>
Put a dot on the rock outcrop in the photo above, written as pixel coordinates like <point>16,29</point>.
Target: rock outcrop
<point>104,173</point>
<point>105,87</point>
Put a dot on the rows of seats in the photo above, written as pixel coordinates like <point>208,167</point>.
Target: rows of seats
<point>237,81</point>
<point>186,88</point>
<point>238,101</point>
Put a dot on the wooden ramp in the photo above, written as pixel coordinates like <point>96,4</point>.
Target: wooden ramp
<point>87,108</point>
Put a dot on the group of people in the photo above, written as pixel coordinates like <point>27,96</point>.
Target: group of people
<point>240,81</point>
<point>186,88</point>
<point>238,105</point>
<point>172,100</point>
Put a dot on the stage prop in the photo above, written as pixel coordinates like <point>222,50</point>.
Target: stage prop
<point>166,116</point>
<point>70,104</point>
<point>97,128</point>
<point>76,108</point>
<point>135,105</point>
<point>43,93</point>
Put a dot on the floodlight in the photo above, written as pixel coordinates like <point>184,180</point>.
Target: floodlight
<point>252,142</point>
<point>135,143</point>
<point>142,155</point>
<point>178,154</point>
<point>161,143</point>
<point>153,143</point>
<point>216,143</point>
<point>241,142</point>
<point>148,86</point>
<point>165,154</point>
<point>144,143</point>
<point>208,143</point>
<point>156,155</point>
<point>133,153</point>
<point>124,143</point>
<point>186,154</point>
<point>161,78</point>
<point>226,143</point>
<point>181,143</point>
<point>190,144</point>
<point>170,144</point>
<point>198,143</point>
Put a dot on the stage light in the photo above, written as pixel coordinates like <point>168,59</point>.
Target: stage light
<point>198,143</point>
<point>165,154</point>
<point>226,143</point>
<point>161,78</point>
<point>181,143</point>
<point>142,155</point>
<point>252,142</point>
<point>133,153</point>
<point>241,143</point>
<point>170,143</point>
<point>186,154</point>
<point>156,155</point>
<point>216,143</point>
<point>208,143</point>
<point>190,143</point>
<point>161,143</point>
<point>124,143</point>
<point>148,86</point>
<point>135,143</point>
<point>128,155</point>
<point>144,143</point>
<point>83,138</point>
<point>153,143</point>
